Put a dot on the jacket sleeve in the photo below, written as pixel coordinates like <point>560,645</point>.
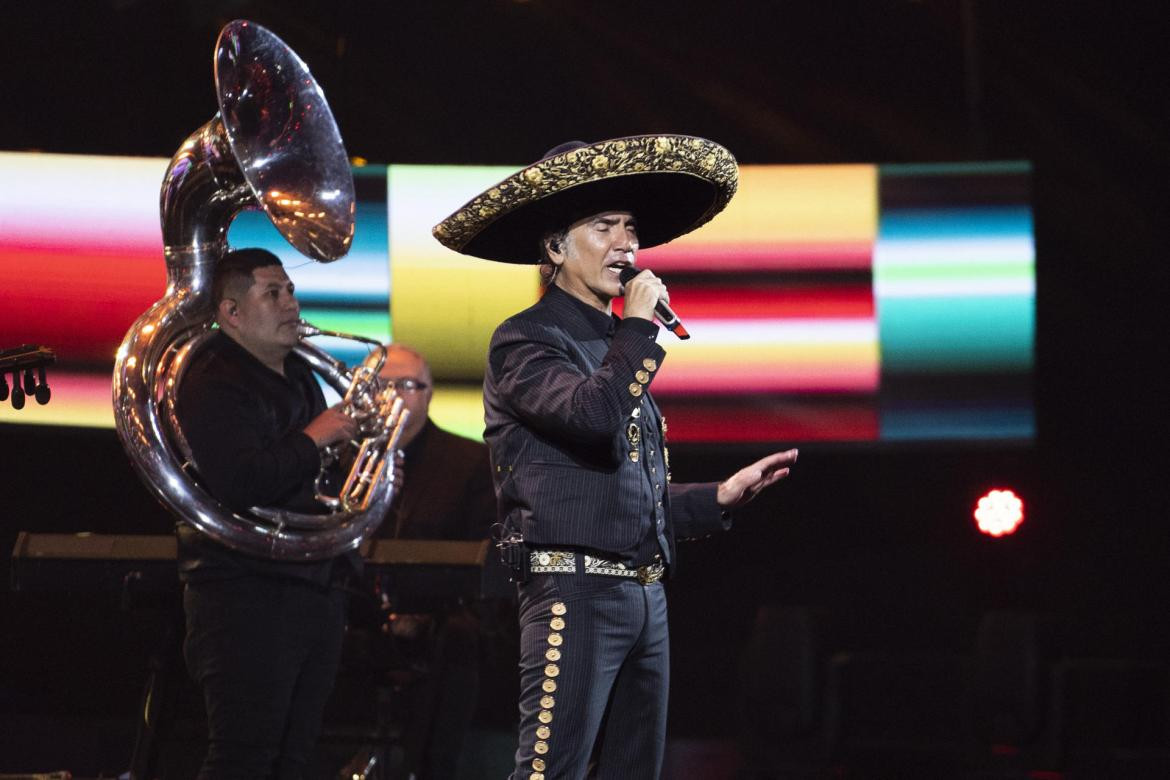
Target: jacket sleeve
<point>227,440</point>
<point>537,378</point>
<point>694,512</point>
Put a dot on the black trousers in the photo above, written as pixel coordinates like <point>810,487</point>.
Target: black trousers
<point>594,677</point>
<point>265,652</point>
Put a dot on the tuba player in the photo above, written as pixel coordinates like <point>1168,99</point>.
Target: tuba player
<point>263,636</point>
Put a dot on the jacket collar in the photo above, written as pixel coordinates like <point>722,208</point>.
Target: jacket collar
<point>582,321</point>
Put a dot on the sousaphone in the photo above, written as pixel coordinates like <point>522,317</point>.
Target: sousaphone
<point>273,145</point>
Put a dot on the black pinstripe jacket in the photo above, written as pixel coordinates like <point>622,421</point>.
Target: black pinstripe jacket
<point>562,385</point>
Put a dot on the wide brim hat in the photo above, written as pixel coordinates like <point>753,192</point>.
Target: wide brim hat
<point>672,184</point>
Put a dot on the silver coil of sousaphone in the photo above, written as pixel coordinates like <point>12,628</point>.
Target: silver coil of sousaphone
<point>273,144</point>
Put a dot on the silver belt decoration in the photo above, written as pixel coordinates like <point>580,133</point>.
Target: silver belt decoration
<point>552,562</point>
<point>565,562</point>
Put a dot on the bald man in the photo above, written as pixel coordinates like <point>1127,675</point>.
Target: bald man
<point>447,488</point>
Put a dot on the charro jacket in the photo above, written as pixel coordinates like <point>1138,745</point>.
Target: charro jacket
<point>577,443</point>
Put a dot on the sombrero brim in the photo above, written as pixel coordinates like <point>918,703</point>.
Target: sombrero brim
<point>672,184</point>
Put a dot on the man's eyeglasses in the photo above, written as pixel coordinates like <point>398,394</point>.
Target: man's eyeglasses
<point>406,385</point>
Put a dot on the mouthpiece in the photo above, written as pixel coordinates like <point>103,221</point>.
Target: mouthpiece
<point>305,330</point>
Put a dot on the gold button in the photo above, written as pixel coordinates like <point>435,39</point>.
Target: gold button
<point>541,747</point>
<point>556,624</point>
<point>553,654</point>
<point>651,364</point>
<point>637,412</point>
<point>548,702</point>
<point>642,376</point>
<point>538,764</point>
<point>555,639</point>
<point>536,776</point>
<point>635,389</point>
<point>545,716</point>
<point>558,608</point>
<point>634,456</point>
<point>543,732</point>
<point>549,686</point>
<point>552,670</point>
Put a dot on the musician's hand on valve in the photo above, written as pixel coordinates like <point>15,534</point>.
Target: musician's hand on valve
<point>332,426</point>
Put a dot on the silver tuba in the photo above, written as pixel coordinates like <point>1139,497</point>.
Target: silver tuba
<point>273,144</point>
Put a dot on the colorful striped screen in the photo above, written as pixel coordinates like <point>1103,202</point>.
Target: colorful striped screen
<point>827,303</point>
<point>955,280</point>
<point>777,293</point>
<point>81,258</point>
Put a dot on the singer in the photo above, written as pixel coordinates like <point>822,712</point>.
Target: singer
<point>588,514</point>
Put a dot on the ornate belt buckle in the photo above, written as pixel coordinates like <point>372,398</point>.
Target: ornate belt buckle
<point>650,573</point>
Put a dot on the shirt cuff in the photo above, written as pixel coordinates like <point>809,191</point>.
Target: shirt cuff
<point>639,326</point>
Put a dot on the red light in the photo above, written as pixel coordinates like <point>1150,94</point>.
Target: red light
<point>999,513</point>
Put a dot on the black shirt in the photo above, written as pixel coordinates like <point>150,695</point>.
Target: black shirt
<point>244,423</point>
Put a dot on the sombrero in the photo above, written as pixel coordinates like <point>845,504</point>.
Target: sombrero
<point>671,183</point>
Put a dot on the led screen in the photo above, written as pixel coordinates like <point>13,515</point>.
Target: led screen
<point>843,303</point>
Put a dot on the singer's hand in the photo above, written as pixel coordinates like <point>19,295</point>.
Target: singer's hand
<point>745,484</point>
<point>643,293</point>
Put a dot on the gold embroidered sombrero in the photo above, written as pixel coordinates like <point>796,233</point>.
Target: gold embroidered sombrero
<point>672,184</point>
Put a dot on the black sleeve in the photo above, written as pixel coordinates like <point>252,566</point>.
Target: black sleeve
<point>694,511</point>
<point>239,464</point>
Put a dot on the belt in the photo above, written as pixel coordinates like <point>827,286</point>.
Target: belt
<point>565,562</point>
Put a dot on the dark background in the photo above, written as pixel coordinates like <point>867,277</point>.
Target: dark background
<point>879,540</point>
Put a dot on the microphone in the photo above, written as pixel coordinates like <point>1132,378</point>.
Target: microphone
<point>662,309</point>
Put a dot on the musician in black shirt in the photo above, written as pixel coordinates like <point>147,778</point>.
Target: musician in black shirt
<point>263,636</point>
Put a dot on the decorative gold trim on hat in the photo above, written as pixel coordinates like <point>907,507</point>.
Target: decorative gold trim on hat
<point>616,158</point>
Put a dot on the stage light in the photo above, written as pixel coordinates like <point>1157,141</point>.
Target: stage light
<point>999,513</point>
